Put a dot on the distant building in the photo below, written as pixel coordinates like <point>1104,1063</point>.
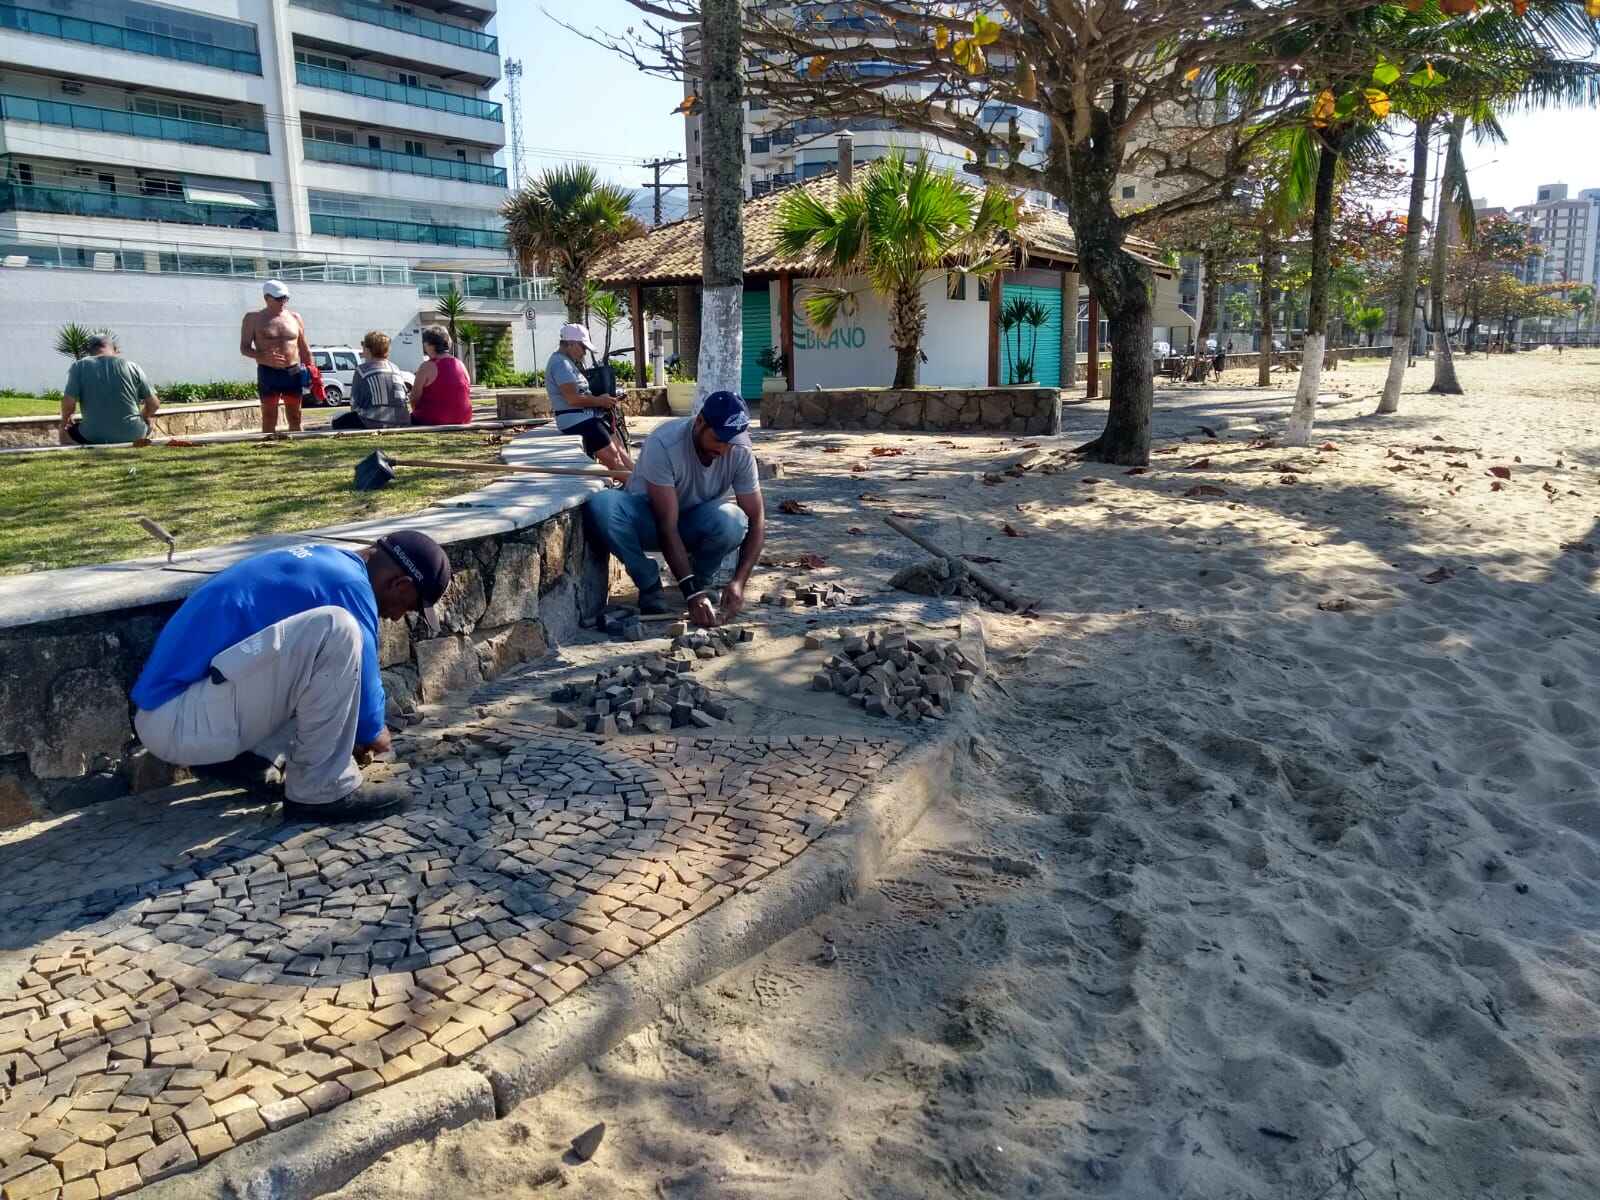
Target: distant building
<point>1566,234</point>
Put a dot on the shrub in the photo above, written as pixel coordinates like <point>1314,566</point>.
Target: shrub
<point>216,390</point>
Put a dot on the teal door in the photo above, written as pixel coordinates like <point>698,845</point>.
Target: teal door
<point>757,339</point>
<point>1046,351</point>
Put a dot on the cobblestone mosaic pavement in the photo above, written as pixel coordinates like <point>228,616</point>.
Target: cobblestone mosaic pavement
<point>297,967</point>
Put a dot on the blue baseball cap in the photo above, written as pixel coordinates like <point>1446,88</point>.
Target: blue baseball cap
<point>727,416</point>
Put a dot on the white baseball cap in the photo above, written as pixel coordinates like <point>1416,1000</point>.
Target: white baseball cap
<point>275,289</point>
<point>576,333</point>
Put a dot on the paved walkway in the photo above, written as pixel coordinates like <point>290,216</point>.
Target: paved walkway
<point>152,1017</point>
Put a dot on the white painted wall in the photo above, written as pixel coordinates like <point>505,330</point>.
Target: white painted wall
<point>857,353</point>
<point>177,327</point>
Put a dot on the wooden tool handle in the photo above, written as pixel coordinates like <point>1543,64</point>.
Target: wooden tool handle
<point>982,578</point>
<point>453,465</point>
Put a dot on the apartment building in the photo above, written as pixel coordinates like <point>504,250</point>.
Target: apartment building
<point>324,127</point>
<point>1567,233</point>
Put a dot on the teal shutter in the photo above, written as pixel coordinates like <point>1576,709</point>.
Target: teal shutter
<point>757,339</point>
<point>1047,370</point>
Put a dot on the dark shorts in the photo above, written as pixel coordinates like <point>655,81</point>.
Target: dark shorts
<point>75,432</point>
<point>595,432</point>
<point>280,381</point>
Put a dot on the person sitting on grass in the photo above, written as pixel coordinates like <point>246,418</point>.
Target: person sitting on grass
<point>441,393</point>
<point>276,657</point>
<point>677,502</point>
<point>378,397</point>
<point>115,395</point>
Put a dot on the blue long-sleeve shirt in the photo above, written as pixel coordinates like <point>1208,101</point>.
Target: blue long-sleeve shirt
<point>256,593</point>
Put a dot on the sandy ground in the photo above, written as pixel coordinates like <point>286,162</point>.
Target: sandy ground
<point>1277,877</point>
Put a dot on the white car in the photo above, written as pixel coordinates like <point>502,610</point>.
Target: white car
<point>1162,349</point>
<point>338,365</point>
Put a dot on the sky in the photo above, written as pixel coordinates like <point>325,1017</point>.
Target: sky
<point>581,102</point>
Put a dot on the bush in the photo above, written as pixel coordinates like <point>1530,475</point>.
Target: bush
<point>216,390</point>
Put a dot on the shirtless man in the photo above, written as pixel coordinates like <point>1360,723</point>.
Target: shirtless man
<point>275,339</point>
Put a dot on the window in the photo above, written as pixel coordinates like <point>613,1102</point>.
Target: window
<point>1128,192</point>
<point>25,174</point>
<point>416,149</point>
<point>327,133</point>
<point>407,78</point>
<point>108,183</point>
<point>462,155</point>
<point>374,142</point>
<point>956,285</point>
<point>343,361</point>
<point>323,361</point>
<point>983,290</point>
<point>320,60</point>
<point>161,185</point>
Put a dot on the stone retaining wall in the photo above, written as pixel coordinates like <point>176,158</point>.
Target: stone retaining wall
<point>941,410</point>
<point>177,421</point>
<point>66,734</point>
<point>511,404</point>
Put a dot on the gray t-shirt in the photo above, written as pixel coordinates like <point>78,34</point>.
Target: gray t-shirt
<point>668,459</point>
<point>110,391</point>
<point>559,370</point>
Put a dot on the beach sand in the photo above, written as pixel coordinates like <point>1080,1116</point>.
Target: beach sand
<point>1274,872</point>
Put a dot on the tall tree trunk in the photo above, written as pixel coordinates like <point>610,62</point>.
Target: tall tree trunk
<point>1069,329</point>
<point>1211,299</point>
<point>907,319</point>
<point>1122,285</point>
<point>1411,252</point>
<point>1303,415</point>
<point>688,299</point>
<point>722,132</point>
<point>1269,265</point>
<point>1444,363</point>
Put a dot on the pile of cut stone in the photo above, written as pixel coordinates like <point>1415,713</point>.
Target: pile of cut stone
<point>892,674</point>
<point>941,577</point>
<point>803,593</point>
<point>653,695</point>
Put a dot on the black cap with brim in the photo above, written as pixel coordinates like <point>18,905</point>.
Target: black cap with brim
<point>425,563</point>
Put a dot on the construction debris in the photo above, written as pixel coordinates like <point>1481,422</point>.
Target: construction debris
<point>807,593</point>
<point>892,674</point>
<point>654,694</point>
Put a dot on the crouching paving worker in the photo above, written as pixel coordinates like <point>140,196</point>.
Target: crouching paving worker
<point>277,657</point>
<point>676,502</point>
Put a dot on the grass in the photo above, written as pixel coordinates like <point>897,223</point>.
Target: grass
<point>29,406</point>
<point>70,509</point>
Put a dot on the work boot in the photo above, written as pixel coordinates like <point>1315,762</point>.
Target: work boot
<point>653,601</point>
<point>367,801</point>
<point>258,775</point>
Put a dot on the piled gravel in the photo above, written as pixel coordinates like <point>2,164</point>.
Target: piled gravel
<point>892,674</point>
<point>653,695</point>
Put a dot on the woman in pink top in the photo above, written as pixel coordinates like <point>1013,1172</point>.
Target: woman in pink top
<point>441,394</point>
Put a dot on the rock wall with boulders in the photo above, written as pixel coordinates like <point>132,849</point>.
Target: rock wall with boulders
<point>66,730</point>
<point>934,410</point>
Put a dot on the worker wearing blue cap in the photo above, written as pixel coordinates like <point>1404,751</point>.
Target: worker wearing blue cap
<point>677,502</point>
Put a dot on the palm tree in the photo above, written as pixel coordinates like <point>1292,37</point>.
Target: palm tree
<point>452,306</point>
<point>901,225</point>
<point>1017,314</point>
<point>562,221</point>
<point>72,339</point>
<point>1582,301</point>
<point>1369,319</point>
<point>608,306</point>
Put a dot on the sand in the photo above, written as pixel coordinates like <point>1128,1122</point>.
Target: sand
<point>1278,876</point>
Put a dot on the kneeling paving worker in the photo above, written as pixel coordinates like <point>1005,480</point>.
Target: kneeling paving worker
<point>278,656</point>
<point>676,502</point>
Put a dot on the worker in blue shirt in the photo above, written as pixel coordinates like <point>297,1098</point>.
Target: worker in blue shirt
<point>277,658</point>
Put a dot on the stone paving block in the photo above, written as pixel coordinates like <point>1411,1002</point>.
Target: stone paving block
<point>79,1161</point>
<point>43,1180</point>
<point>128,1150</point>
<point>210,1141</point>
<point>283,1112</point>
<point>81,1189</point>
<point>168,1158</point>
<point>118,1181</point>
<point>245,1126</point>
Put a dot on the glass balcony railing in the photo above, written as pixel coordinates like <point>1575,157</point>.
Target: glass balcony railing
<point>130,124</point>
<point>134,41</point>
<point>398,93</point>
<point>505,289</point>
<point>373,14</point>
<point>408,164</point>
<point>376,230</point>
<point>19,197</point>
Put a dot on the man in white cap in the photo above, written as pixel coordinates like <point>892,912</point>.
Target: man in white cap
<point>577,411</point>
<point>275,339</point>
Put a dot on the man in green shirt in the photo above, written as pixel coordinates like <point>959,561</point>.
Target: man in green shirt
<point>116,396</point>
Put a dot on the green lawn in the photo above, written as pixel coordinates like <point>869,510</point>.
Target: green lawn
<point>28,406</point>
<point>65,510</point>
